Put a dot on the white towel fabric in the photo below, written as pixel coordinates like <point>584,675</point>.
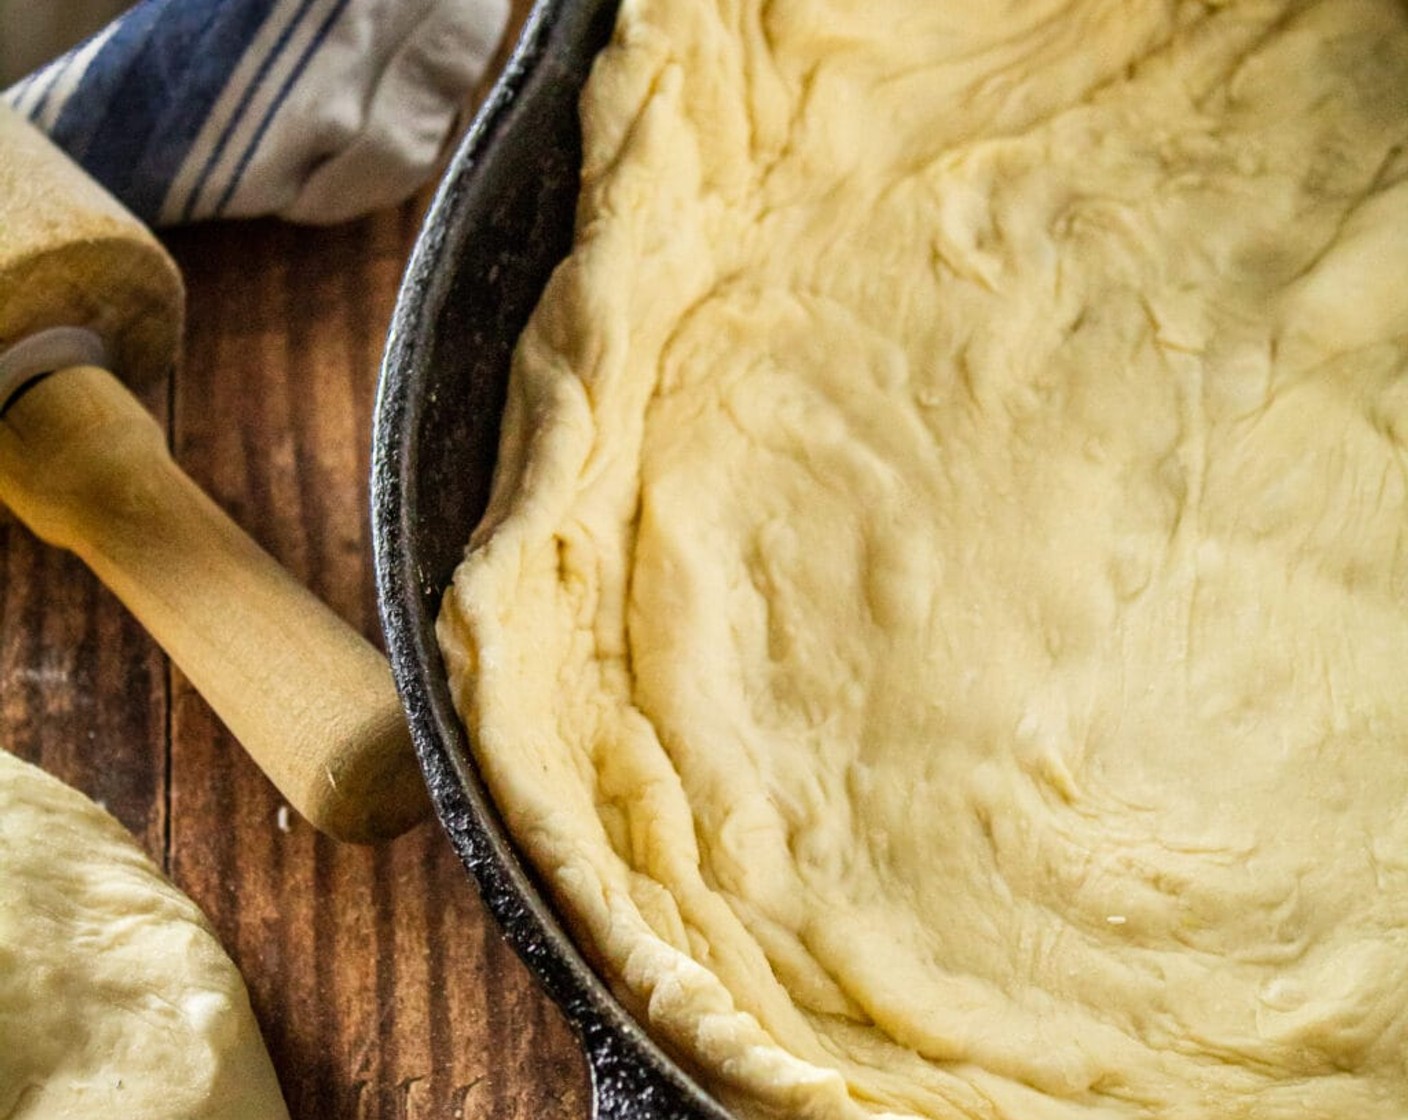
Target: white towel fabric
<point>313,110</point>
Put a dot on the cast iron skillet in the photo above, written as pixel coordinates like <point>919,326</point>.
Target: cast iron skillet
<point>500,221</point>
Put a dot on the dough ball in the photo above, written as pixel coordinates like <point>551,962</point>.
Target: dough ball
<point>116,999</point>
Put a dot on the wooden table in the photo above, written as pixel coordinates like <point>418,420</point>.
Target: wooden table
<point>383,989</point>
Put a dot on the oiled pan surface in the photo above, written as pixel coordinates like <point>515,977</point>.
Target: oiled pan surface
<point>500,222</point>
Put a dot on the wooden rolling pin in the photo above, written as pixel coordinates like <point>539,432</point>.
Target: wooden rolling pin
<point>84,288</point>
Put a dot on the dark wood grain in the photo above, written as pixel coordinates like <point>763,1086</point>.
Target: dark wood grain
<point>383,989</point>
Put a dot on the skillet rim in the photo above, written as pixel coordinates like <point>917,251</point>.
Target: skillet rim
<point>632,1077</point>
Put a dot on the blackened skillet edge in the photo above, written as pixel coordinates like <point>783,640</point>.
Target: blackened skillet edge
<point>499,223</point>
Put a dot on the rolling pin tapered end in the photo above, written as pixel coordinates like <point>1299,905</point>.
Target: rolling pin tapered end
<point>71,256</point>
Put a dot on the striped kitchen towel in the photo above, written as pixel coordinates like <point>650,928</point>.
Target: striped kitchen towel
<point>314,110</point>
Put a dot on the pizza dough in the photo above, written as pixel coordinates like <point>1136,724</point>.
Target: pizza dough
<point>941,628</point>
<point>116,1000</point>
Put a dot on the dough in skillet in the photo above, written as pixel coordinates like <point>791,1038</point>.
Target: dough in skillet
<point>116,1000</point>
<point>942,624</point>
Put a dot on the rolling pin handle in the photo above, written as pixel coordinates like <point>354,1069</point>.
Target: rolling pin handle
<point>41,353</point>
<point>86,467</point>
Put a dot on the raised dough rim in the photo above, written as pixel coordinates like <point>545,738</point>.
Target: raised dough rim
<point>500,220</point>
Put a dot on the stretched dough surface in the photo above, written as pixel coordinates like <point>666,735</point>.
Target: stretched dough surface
<point>942,622</point>
<point>116,999</point>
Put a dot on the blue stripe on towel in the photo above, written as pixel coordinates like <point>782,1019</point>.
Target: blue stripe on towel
<point>44,83</point>
<point>15,95</point>
<point>218,150</point>
<point>88,107</point>
<point>146,94</point>
<point>308,52</point>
